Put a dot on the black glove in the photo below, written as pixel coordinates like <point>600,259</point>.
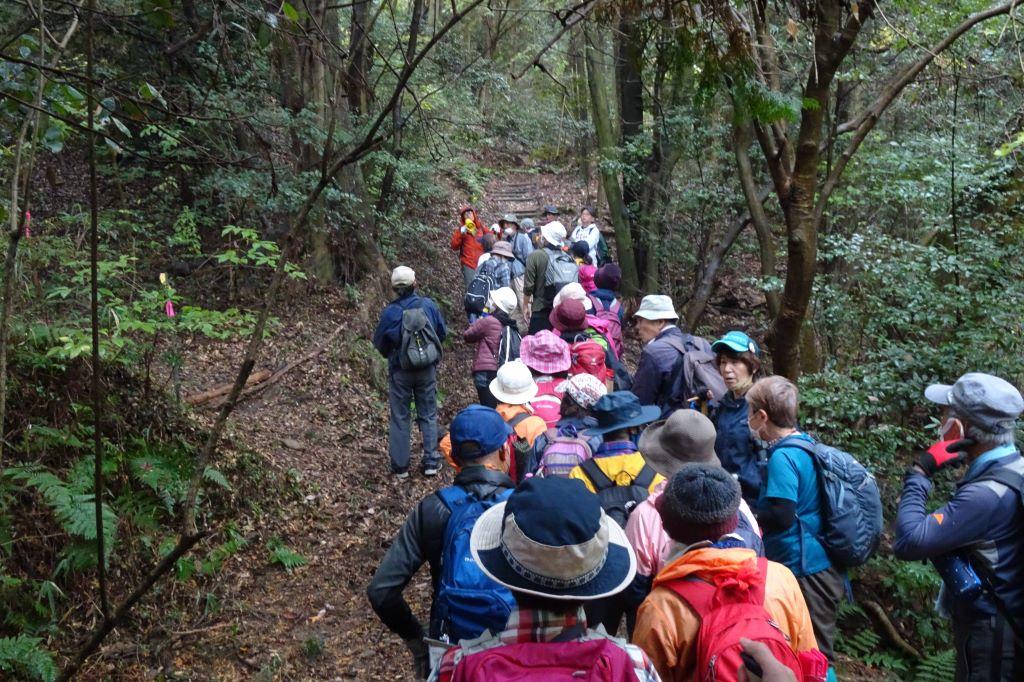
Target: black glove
<point>420,657</point>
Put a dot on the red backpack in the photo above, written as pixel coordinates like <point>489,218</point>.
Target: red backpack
<point>730,608</point>
<point>588,358</point>
<point>597,660</point>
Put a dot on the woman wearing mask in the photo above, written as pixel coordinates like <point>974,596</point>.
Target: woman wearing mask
<point>466,241</point>
<point>737,357</point>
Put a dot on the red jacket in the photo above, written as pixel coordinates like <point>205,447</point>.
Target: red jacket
<point>468,245</point>
<point>486,334</point>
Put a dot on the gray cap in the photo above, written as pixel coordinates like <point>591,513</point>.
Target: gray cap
<point>990,403</point>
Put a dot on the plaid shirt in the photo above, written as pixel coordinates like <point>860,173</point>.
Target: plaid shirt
<point>526,626</point>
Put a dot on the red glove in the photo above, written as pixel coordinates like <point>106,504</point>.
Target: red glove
<point>944,453</point>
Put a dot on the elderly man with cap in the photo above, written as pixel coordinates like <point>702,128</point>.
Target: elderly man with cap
<point>685,437</point>
<point>976,540</point>
<point>659,376</point>
<point>409,385</point>
<point>548,269</point>
<point>556,550</point>
<point>477,435</point>
<point>699,511</point>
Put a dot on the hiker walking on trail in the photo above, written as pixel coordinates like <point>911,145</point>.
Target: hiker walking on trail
<point>660,377</point>
<point>619,476</point>
<point>497,342</point>
<point>409,334</point>
<point>548,269</point>
<point>549,361</point>
<point>466,240</point>
<point>790,505</point>
<point>553,547</point>
<point>493,272</point>
<point>514,388</point>
<point>522,247</point>
<point>587,231</point>
<point>580,251</point>
<point>478,435</point>
<point>738,359</point>
<point>711,582</point>
<point>976,540</point>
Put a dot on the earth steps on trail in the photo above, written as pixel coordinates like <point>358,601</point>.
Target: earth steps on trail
<point>521,198</point>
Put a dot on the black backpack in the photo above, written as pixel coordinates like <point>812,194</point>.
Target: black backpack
<point>694,374</point>
<point>508,347</point>
<point>477,292</point>
<point>420,348</point>
<point>619,501</point>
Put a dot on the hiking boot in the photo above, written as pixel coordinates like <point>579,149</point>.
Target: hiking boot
<point>400,475</point>
<point>431,470</point>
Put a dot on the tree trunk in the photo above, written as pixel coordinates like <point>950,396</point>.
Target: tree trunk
<point>628,39</point>
<point>609,178</point>
<point>579,107</point>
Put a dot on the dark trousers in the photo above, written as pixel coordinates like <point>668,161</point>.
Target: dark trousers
<point>986,651</point>
<point>822,591</point>
<point>539,320</point>
<point>405,388</point>
<point>482,381</point>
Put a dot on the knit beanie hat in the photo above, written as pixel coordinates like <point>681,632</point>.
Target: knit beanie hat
<point>699,503</point>
<point>608,276</point>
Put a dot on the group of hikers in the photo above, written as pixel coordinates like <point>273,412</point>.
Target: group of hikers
<point>680,505</point>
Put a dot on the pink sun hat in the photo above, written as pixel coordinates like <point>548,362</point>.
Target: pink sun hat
<point>545,352</point>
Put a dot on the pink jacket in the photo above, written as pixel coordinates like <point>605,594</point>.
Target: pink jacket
<point>486,334</point>
<point>649,539</point>
<point>587,277</point>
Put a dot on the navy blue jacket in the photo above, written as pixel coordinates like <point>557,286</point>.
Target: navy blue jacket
<point>734,446</point>
<point>651,383</point>
<point>983,517</point>
<point>607,297</point>
<point>387,339</point>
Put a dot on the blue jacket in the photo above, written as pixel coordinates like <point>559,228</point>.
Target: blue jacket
<point>387,339</point>
<point>734,446</point>
<point>651,383</point>
<point>983,517</point>
<point>522,247</point>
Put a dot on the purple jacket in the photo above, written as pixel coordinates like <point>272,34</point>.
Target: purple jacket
<point>651,383</point>
<point>486,334</point>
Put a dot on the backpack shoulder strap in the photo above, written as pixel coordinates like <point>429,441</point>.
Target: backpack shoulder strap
<point>453,496</point>
<point>518,419</point>
<point>1013,480</point>
<point>645,478</point>
<point>596,476</point>
<point>700,594</point>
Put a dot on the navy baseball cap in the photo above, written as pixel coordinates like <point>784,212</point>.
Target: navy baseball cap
<point>550,210</point>
<point>477,431</point>
<point>990,403</point>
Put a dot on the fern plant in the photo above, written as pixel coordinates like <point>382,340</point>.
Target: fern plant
<point>939,667</point>
<point>24,658</point>
<point>281,554</point>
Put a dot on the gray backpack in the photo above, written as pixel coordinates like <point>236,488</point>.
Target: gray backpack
<point>420,347</point>
<point>561,270</point>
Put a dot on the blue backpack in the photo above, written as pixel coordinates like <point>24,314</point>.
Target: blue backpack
<point>468,602</point>
<point>851,507</point>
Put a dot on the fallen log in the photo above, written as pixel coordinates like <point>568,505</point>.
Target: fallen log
<point>223,389</point>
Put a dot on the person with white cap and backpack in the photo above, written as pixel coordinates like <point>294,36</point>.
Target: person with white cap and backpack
<point>548,269</point>
<point>497,341</point>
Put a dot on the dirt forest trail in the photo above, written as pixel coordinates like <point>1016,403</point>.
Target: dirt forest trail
<point>323,428</point>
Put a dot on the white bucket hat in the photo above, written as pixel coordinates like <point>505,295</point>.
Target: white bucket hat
<point>573,290</point>
<point>503,298</point>
<point>657,307</point>
<point>514,384</point>
<point>553,233</point>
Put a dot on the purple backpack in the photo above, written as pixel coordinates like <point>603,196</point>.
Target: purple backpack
<point>563,453</point>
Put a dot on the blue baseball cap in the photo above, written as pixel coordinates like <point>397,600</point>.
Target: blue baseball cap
<point>477,431</point>
<point>736,341</point>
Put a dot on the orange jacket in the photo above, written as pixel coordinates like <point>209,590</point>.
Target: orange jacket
<point>667,628</point>
<point>529,428</point>
<point>468,244</point>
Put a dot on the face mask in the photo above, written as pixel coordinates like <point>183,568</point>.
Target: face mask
<point>509,231</point>
<point>949,425</point>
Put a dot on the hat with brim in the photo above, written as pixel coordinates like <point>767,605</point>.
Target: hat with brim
<point>502,249</point>
<point>656,307</point>
<point>737,342</point>
<point>514,384</point>
<point>575,568</point>
<point>990,403</point>
<point>621,410</point>
<point>687,436</point>
<point>509,219</point>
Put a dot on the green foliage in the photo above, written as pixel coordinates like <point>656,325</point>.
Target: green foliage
<point>24,658</point>
<point>282,555</point>
<point>939,667</point>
